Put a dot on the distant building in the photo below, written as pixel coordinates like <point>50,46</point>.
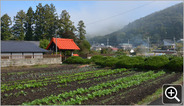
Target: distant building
<point>180,41</point>
<point>165,51</point>
<point>98,47</point>
<point>21,49</point>
<point>168,43</point>
<point>125,46</point>
<point>114,49</point>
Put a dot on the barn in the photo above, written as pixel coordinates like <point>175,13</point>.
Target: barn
<point>21,49</point>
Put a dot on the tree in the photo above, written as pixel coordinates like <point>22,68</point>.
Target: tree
<point>18,27</point>
<point>83,44</point>
<point>84,47</point>
<point>66,25</point>
<point>81,30</point>
<point>50,20</point>
<point>45,21</point>
<point>44,43</point>
<point>5,27</point>
<point>29,24</point>
<point>39,22</point>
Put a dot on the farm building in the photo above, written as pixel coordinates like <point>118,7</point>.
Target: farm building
<point>63,45</point>
<point>21,49</point>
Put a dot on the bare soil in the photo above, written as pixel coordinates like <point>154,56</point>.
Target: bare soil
<point>52,89</point>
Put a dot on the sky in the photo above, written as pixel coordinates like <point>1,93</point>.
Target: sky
<point>100,17</point>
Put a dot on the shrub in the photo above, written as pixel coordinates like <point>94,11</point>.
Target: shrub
<point>106,61</point>
<point>110,62</point>
<point>129,62</point>
<point>175,64</point>
<point>139,62</point>
<point>97,58</point>
<point>44,43</point>
<point>156,62</point>
<point>76,60</point>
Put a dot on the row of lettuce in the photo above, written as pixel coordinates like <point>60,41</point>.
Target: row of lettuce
<point>172,63</point>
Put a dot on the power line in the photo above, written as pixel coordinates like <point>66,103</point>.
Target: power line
<point>119,14</point>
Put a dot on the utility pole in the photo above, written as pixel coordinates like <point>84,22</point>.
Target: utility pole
<point>148,44</point>
<point>128,41</point>
<point>107,42</point>
<point>174,43</point>
<point>56,42</point>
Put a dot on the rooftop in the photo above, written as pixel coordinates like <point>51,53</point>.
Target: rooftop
<point>20,46</point>
<point>64,44</point>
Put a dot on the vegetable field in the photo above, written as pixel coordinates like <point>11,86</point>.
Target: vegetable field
<point>72,84</point>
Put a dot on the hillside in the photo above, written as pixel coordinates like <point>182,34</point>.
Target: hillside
<point>164,24</point>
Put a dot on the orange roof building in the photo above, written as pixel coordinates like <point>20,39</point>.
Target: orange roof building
<point>75,55</point>
<point>62,44</point>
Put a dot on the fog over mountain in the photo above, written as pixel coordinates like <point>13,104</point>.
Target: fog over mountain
<point>105,17</point>
<point>164,24</point>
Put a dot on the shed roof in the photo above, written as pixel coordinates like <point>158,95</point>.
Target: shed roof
<point>64,44</point>
<point>75,55</point>
<point>20,46</point>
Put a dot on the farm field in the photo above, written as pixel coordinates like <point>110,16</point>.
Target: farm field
<point>76,84</point>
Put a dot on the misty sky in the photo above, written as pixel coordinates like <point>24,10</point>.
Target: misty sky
<point>100,17</point>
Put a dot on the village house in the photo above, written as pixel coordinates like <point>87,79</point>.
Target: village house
<point>169,44</point>
<point>98,47</point>
<point>125,46</point>
<point>21,49</point>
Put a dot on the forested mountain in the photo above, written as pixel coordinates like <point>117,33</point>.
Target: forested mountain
<point>164,24</point>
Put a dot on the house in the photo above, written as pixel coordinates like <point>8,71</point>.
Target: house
<point>98,47</point>
<point>180,41</point>
<point>125,46</point>
<point>63,45</point>
<point>114,49</point>
<point>169,43</point>
<point>20,49</point>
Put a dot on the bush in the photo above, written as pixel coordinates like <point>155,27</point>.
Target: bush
<point>156,62</point>
<point>76,60</point>
<point>110,62</point>
<point>44,43</point>
<point>139,62</point>
<point>175,64</point>
<point>129,62</point>
<point>107,61</point>
<point>97,58</point>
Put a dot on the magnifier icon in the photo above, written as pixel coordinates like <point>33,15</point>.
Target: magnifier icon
<point>171,93</point>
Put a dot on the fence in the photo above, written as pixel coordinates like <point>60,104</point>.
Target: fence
<point>29,56</point>
<point>7,61</point>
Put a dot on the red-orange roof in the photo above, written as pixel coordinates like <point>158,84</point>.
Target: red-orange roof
<point>65,44</point>
<point>75,55</point>
<point>115,49</point>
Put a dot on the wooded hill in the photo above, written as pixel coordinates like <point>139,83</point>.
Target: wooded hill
<point>164,24</point>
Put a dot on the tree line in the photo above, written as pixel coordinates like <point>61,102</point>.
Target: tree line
<point>43,23</point>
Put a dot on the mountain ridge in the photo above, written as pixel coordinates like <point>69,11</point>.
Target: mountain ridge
<point>163,24</point>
